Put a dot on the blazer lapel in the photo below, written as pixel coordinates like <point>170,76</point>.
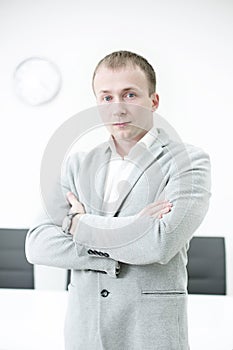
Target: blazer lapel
<point>92,178</point>
<point>143,159</point>
<point>93,173</point>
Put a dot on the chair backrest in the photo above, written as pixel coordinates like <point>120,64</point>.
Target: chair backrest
<point>15,270</point>
<point>207,265</point>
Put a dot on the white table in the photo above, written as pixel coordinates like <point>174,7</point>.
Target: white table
<point>210,322</point>
<point>34,320</point>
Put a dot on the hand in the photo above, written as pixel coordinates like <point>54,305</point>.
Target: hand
<point>156,209</point>
<point>76,206</point>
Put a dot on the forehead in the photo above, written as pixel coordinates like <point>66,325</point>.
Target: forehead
<point>108,79</point>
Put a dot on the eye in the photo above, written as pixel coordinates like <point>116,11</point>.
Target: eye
<point>130,95</point>
<point>107,98</point>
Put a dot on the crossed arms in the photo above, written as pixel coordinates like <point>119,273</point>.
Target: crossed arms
<point>155,235</point>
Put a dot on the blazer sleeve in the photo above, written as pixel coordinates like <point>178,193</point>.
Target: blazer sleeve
<point>47,244</point>
<point>145,240</point>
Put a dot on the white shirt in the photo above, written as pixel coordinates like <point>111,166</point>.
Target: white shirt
<point>119,169</point>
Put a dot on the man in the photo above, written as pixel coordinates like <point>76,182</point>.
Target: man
<point>134,203</point>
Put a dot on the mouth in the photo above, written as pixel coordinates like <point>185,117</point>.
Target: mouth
<point>121,124</point>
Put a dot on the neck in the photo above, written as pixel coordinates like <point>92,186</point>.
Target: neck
<point>123,146</point>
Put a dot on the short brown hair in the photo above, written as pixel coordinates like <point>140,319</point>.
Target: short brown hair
<point>120,59</point>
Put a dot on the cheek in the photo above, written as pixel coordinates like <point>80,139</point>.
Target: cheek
<point>143,107</point>
<point>105,113</point>
<point>148,103</point>
<point>145,102</point>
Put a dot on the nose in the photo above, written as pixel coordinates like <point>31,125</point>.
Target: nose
<point>119,109</point>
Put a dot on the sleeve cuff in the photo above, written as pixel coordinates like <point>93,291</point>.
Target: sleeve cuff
<point>105,263</point>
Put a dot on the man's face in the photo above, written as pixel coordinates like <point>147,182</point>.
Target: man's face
<point>125,104</point>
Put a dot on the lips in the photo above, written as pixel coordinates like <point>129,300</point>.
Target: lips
<point>121,124</point>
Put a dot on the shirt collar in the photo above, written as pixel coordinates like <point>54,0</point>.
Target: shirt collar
<point>146,141</point>
<point>149,137</point>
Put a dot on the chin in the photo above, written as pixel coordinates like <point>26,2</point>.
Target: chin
<point>123,134</point>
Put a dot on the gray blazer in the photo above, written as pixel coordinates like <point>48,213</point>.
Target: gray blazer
<point>128,287</point>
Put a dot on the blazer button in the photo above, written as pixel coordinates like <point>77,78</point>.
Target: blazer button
<point>103,254</point>
<point>104,293</point>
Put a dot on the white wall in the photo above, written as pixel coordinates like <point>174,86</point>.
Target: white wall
<point>188,42</point>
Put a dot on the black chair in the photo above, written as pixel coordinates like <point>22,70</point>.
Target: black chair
<point>15,270</point>
<point>207,265</point>
<point>68,278</point>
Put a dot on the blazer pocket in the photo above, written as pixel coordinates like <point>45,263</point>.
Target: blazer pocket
<point>161,319</point>
<point>163,293</point>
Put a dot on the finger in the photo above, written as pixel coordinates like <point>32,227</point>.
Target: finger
<point>75,204</point>
<point>159,214</point>
<point>159,208</point>
<point>159,204</point>
<point>71,198</point>
<point>153,209</point>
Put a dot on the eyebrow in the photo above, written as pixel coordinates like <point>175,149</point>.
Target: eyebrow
<point>123,90</point>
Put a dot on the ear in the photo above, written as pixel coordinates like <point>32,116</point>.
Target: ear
<point>155,101</point>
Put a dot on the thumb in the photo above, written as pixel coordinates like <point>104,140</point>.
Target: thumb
<point>72,199</point>
<point>75,204</point>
